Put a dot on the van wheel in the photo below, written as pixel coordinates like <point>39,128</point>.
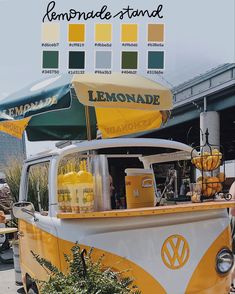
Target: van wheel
<point>33,289</point>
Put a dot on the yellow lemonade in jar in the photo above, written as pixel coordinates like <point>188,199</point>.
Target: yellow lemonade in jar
<point>85,189</point>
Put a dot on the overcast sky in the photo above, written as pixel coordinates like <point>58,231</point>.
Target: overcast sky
<point>199,36</point>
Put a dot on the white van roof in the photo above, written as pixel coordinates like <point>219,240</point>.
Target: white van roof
<point>113,143</point>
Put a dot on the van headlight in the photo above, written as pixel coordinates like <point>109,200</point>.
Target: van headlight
<point>224,261</point>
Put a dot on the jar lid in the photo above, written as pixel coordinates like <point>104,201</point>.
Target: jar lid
<point>138,171</point>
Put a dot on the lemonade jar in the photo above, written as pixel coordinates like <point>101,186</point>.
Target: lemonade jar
<point>85,189</point>
<point>71,181</point>
<point>60,191</point>
<point>61,205</point>
<point>67,202</point>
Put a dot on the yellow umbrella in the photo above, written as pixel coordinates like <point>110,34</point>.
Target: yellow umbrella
<point>116,104</point>
<point>14,128</point>
<point>124,104</point>
<point>121,91</point>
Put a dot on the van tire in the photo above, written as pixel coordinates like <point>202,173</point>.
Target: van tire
<point>33,289</point>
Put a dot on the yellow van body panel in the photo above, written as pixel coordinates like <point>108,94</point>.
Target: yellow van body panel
<point>205,276</point>
<point>52,248</point>
<point>146,283</point>
<point>39,242</point>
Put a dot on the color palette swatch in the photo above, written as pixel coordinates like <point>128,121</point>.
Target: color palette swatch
<point>103,32</point>
<point>76,59</point>
<point>76,33</point>
<point>129,60</point>
<point>155,59</point>
<point>155,32</point>
<point>103,59</point>
<point>129,33</point>
<point>50,59</point>
<point>104,47</point>
<point>50,33</point>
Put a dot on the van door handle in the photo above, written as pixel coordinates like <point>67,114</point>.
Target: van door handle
<point>20,234</point>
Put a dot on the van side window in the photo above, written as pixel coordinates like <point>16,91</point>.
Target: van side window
<point>37,190</point>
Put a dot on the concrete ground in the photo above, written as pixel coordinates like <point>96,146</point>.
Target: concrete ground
<point>7,280</point>
<point>7,277</point>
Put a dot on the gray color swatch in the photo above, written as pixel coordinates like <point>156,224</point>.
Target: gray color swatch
<point>103,59</point>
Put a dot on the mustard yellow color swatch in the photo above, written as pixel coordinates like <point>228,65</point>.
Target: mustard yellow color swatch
<point>103,32</point>
<point>76,33</point>
<point>50,32</point>
<point>129,33</point>
<point>156,33</point>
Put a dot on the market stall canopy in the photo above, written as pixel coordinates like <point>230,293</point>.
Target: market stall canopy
<point>72,108</point>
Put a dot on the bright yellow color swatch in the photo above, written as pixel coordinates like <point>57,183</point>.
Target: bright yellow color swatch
<point>76,33</point>
<point>103,32</point>
<point>50,32</point>
<point>129,33</point>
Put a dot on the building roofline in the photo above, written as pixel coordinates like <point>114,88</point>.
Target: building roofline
<point>202,77</point>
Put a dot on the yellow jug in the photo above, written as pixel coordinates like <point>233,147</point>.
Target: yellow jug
<point>139,188</point>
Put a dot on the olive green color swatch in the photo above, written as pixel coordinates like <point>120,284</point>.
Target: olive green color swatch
<point>129,59</point>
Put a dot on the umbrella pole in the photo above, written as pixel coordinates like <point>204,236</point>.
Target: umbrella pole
<point>88,123</point>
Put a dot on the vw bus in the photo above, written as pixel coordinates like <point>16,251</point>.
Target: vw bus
<point>171,248</point>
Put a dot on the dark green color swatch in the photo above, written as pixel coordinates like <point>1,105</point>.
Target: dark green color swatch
<point>155,59</point>
<point>129,59</point>
<point>76,59</point>
<point>50,59</point>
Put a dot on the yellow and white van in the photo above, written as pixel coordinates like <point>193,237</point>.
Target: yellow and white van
<point>183,248</point>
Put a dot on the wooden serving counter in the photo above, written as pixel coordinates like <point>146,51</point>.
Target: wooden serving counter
<point>169,209</point>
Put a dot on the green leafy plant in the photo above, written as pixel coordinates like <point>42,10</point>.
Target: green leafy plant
<point>38,173</point>
<point>13,173</point>
<point>84,276</point>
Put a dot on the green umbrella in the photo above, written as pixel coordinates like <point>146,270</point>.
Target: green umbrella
<point>40,97</point>
<point>66,124</point>
<point>53,111</point>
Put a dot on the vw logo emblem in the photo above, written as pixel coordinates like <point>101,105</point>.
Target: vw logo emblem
<point>175,252</point>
